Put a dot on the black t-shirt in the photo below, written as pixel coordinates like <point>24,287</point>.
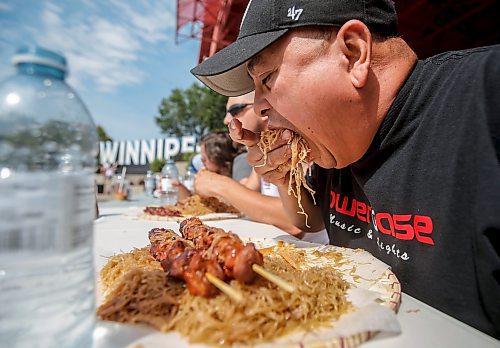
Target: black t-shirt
<point>425,198</point>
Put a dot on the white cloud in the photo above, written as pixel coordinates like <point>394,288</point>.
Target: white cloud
<point>4,7</point>
<point>105,49</point>
<point>151,21</point>
<point>52,9</point>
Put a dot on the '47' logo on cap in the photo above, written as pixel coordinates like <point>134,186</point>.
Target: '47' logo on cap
<point>294,13</point>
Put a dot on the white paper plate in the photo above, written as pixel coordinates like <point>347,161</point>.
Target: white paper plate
<point>376,292</point>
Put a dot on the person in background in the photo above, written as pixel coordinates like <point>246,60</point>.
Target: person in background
<point>240,168</point>
<point>217,155</point>
<point>407,150</point>
<point>253,196</point>
<point>108,170</point>
<point>238,107</point>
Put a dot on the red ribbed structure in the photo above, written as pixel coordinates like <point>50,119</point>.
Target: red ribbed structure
<point>215,23</point>
<point>429,26</point>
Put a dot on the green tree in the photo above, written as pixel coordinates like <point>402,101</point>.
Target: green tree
<point>195,110</point>
<point>101,133</point>
<point>157,165</point>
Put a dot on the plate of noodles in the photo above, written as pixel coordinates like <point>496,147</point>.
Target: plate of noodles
<point>206,208</point>
<point>342,298</point>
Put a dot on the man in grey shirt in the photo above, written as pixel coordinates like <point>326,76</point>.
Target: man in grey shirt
<point>238,107</point>
<point>241,168</point>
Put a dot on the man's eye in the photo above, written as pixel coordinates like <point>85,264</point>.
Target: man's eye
<point>266,79</point>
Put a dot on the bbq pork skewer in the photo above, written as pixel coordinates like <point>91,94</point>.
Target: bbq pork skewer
<point>237,260</point>
<point>162,211</point>
<point>179,259</point>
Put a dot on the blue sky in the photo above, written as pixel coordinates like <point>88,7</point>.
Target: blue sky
<point>122,55</point>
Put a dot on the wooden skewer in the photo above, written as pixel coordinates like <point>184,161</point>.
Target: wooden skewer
<point>225,288</point>
<point>273,278</point>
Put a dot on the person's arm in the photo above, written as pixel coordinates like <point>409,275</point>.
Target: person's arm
<point>254,205</point>
<point>183,190</point>
<point>252,182</point>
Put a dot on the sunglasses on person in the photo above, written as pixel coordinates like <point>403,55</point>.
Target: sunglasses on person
<point>235,109</point>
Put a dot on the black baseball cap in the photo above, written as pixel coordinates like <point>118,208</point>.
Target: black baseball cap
<point>265,21</point>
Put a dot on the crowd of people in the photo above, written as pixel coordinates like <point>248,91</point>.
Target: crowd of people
<point>405,150</point>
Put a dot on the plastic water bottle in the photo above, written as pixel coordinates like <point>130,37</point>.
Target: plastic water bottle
<point>48,146</point>
<point>188,180</point>
<point>169,174</point>
<point>149,183</point>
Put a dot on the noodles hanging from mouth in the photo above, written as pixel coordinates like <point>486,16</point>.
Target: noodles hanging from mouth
<point>144,294</point>
<point>299,165</point>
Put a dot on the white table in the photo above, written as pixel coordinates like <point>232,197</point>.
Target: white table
<point>118,231</point>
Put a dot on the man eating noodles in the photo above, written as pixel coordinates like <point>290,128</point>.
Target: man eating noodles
<point>406,151</point>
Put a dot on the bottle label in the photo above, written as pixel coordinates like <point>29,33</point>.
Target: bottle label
<point>166,184</point>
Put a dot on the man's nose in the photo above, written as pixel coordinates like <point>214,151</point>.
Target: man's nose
<point>260,104</point>
<point>227,118</point>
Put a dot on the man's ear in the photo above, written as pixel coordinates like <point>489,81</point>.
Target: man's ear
<point>355,42</point>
